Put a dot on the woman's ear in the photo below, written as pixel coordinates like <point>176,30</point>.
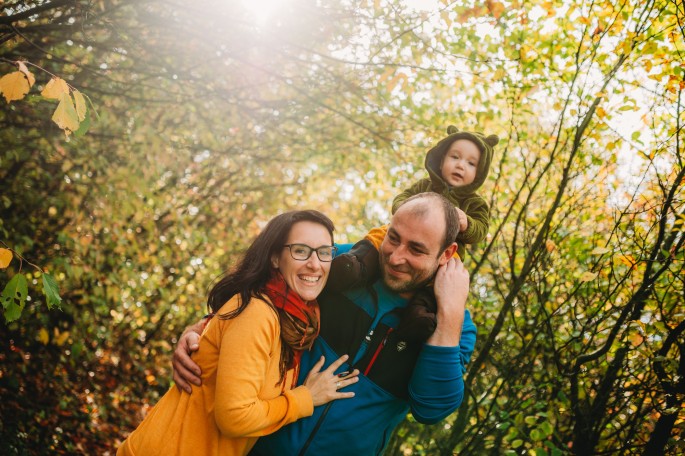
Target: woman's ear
<point>274,261</point>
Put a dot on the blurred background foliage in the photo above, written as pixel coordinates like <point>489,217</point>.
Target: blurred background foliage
<point>210,117</point>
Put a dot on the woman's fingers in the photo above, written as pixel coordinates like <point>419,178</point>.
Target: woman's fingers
<point>337,363</point>
<point>347,374</point>
<point>341,384</point>
<point>319,364</point>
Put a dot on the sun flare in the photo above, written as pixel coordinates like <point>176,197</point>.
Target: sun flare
<point>261,10</point>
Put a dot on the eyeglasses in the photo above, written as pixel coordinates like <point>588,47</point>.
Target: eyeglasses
<point>302,252</point>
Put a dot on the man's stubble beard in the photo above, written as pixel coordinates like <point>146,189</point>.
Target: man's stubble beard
<point>409,286</point>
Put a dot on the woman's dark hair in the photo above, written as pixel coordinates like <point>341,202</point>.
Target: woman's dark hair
<point>253,271</point>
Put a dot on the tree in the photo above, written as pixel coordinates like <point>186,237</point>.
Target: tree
<point>205,122</point>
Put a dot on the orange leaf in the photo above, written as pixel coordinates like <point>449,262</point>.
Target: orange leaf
<point>14,86</point>
<point>5,258</point>
<point>55,88</point>
<point>495,7</point>
<point>628,260</point>
<point>550,245</point>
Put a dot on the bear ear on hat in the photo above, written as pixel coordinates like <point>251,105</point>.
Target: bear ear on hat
<point>492,140</point>
<point>452,129</point>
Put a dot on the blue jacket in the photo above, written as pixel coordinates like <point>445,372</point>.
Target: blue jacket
<point>396,377</point>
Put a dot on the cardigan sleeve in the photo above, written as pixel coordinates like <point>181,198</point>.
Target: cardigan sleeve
<point>248,343</point>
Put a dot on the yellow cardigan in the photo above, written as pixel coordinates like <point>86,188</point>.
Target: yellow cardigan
<point>239,399</point>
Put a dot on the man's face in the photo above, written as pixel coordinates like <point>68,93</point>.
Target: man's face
<point>411,251</point>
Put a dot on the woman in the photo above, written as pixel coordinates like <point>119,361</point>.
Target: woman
<point>266,314</point>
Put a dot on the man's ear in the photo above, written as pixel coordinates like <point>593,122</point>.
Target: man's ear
<point>448,253</point>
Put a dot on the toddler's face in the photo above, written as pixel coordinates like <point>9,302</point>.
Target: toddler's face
<point>459,165</point>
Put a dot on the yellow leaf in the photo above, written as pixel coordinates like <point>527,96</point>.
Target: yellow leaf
<point>636,339</point>
<point>43,336</point>
<point>600,251</point>
<point>386,74</point>
<point>446,17</point>
<point>588,276</point>
<point>65,115</point>
<point>394,81</point>
<point>62,338</point>
<point>55,88</point>
<point>5,258</point>
<point>601,113</point>
<point>27,73</point>
<point>648,66</point>
<point>14,86</point>
<point>80,103</point>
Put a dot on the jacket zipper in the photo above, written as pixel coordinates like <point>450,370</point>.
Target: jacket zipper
<point>377,352</point>
<point>315,430</point>
<point>367,339</point>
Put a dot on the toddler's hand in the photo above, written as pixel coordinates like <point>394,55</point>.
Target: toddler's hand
<point>463,220</point>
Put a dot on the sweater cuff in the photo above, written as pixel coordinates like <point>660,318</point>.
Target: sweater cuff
<point>439,350</point>
<point>303,398</point>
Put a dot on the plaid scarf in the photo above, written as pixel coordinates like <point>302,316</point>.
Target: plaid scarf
<point>299,322</point>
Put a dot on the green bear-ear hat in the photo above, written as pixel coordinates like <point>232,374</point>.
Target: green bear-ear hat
<point>485,145</point>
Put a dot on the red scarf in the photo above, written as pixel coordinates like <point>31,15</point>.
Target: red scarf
<point>299,319</point>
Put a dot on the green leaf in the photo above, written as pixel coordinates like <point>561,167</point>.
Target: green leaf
<point>546,428</point>
<point>51,291</point>
<point>84,125</point>
<point>14,297</point>
<point>76,349</point>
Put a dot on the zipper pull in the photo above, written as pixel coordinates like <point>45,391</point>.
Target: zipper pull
<point>368,336</point>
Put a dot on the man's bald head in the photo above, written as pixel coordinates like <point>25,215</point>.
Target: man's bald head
<point>422,204</point>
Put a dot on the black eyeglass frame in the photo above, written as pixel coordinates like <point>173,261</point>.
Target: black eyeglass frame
<point>333,248</point>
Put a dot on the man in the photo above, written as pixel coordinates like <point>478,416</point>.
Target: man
<point>397,373</point>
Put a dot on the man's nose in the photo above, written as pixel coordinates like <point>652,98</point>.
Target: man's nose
<point>398,256</point>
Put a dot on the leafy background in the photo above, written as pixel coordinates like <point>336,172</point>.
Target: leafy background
<point>172,131</point>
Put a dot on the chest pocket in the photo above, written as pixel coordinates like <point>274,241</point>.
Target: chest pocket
<point>389,361</point>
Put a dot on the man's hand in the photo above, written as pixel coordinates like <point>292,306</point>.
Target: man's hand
<point>463,220</point>
<point>451,289</point>
<point>186,371</point>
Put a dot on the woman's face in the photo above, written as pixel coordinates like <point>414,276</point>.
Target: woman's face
<point>306,277</point>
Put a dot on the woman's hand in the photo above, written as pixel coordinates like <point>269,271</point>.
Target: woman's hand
<point>325,385</point>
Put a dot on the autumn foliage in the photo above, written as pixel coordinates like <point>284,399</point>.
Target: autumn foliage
<point>145,143</point>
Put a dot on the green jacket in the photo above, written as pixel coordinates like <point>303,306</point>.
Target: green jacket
<point>465,198</point>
